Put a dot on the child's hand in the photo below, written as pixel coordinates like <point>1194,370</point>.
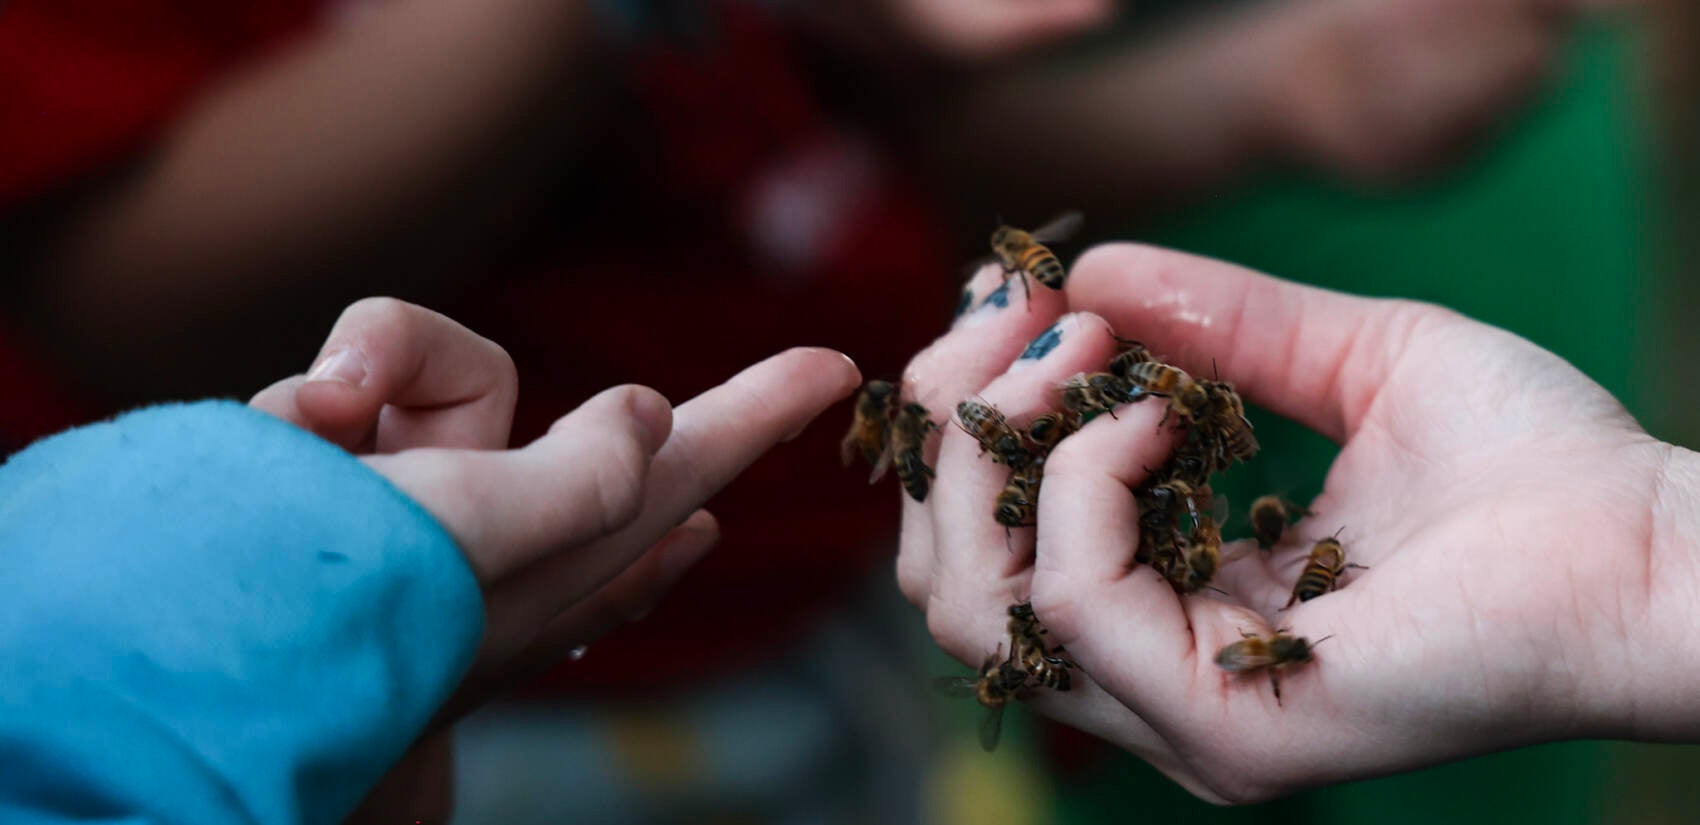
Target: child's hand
<point>576,532</point>
<point>1530,545</point>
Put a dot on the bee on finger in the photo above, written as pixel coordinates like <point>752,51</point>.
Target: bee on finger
<point>1225,426</point>
<point>1322,572</point>
<point>1274,654</point>
<point>1027,646</point>
<point>1187,398</point>
<point>1017,504</point>
<point>909,431</point>
<point>870,430</point>
<point>1047,431</point>
<point>994,433</point>
<point>1087,394</point>
<point>1270,517</point>
<point>998,682</point>
<point>1024,254</point>
<point>1163,503</point>
<point>1128,354</point>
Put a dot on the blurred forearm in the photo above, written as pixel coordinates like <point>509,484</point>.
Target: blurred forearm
<point>1154,121</point>
<point>280,189</point>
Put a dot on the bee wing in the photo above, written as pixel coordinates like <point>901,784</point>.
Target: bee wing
<point>991,728</point>
<point>1061,228</point>
<point>880,466</point>
<point>956,687</point>
<point>1219,509</point>
<point>1235,658</point>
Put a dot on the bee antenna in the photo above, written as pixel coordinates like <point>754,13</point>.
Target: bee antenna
<point>1215,374</point>
<point>1321,640</point>
<point>1218,590</point>
<point>1337,533</point>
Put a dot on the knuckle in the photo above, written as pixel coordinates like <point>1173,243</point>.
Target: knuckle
<point>380,312</point>
<point>620,472</point>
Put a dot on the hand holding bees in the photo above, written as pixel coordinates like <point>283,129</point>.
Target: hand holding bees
<point>1528,545</point>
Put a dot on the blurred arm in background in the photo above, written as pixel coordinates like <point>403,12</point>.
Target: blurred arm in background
<point>289,187</point>
<point>1370,90</point>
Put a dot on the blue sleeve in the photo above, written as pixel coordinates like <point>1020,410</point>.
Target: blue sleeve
<point>209,615</point>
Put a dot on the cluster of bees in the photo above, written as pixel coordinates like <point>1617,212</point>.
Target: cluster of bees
<point>1180,518</point>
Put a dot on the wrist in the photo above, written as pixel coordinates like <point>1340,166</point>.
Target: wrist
<point>1655,695</point>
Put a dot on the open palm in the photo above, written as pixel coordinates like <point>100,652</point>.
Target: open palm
<point>1504,503</point>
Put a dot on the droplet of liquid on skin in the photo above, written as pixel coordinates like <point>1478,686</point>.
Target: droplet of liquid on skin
<point>577,653</point>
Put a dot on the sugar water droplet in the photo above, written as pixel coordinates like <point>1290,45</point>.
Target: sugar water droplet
<point>577,653</point>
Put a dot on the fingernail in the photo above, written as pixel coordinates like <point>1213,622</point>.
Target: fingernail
<point>963,303</point>
<point>1046,341</point>
<point>996,301</point>
<point>346,366</point>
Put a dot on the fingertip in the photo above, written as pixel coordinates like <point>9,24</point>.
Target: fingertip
<point>836,364</point>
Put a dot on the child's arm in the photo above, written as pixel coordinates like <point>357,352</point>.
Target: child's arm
<point>213,616</point>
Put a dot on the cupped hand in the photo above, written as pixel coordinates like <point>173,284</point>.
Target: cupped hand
<point>1505,504</point>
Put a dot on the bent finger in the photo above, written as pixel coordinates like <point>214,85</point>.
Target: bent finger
<point>584,480</point>
<point>434,382</point>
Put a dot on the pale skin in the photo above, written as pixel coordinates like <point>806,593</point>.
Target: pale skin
<point>571,535</point>
<point>1533,550</point>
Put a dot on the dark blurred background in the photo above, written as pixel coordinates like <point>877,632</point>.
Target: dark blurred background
<point>662,192</point>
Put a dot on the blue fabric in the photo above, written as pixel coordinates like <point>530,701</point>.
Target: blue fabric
<point>209,615</point>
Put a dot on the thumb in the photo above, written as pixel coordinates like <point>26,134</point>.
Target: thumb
<point>1312,355</point>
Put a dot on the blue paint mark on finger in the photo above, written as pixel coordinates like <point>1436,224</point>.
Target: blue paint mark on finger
<point>1041,346</point>
<point>965,302</point>
<point>999,297</point>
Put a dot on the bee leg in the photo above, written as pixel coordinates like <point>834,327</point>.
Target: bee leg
<point>1275,681</point>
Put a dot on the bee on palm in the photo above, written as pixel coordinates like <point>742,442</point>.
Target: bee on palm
<point>998,682</point>
<point>1024,254</point>
<point>1271,516</point>
<point>1327,563</point>
<point>1274,654</point>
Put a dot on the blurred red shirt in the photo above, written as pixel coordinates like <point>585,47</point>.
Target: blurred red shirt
<point>730,215</point>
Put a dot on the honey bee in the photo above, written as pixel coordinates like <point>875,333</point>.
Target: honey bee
<point>1023,254</point>
<point>1276,653</point>
<point>1226,425</point>
<point>870,430</point>
<point>1187,398</point>
<point>1201,556</point>
<point>1128,353</point>
<point>1027,646</point>
<point>993,431</point>
<point>1048,430</point>
<point>1018,501</point>
<point>999,682</point>
<point>1160,504</point>
<point>1322,573</point>
<point>909,432</point>
<point>1160,547</point>
<point>1087,394</point>
<point>1270,516</point>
